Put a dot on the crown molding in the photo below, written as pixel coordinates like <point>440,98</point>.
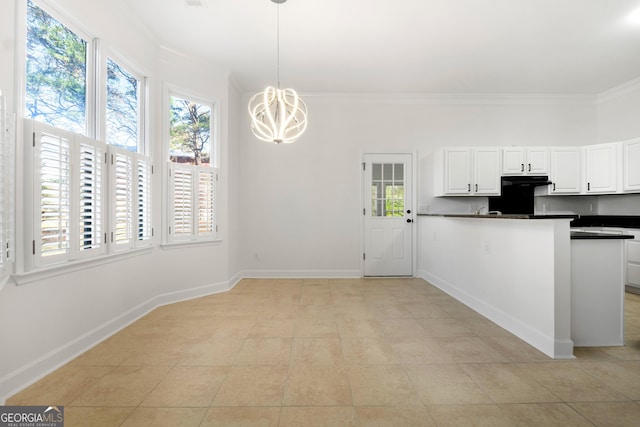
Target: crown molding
<point>618,91</point>
<point>457,99</point>
<point>450,99</point>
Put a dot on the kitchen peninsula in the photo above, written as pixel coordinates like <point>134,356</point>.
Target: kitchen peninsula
<point>516,270</point>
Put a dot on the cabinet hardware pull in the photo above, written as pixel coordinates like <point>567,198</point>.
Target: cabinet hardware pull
<point>469,187</point>
<point>554,186</point>
<point>588,186</point>
<point>529,167</point>
<point>476,188</point>
<point>521,167</point>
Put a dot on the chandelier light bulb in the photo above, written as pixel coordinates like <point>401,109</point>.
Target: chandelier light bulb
<point>277,115</point>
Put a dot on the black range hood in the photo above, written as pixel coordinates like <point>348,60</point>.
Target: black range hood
<point>525,181</point>
<point>517,194</point>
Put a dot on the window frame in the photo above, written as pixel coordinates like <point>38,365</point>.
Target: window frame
<point>91,82</point>
<point>26,267</point>
<point>143,89</point>
<point>168,237</point>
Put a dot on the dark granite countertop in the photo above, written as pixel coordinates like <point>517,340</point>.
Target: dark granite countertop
<point>622,221</point>
<point>593,235</point>
<point>497,216</point>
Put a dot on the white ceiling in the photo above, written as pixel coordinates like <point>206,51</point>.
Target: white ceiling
<point>408,46</point>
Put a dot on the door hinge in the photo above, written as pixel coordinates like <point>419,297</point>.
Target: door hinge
<point>105,238</point>
<point>216,228</point>
<point>152,231</point>
<point>364,211</point>
<point>364,166</point>
<point>364,256</point>
<point>151,169</point>
<point>33,246</point>
<point>112,237</point>
<point>34,139</point>
<point>169,229</point>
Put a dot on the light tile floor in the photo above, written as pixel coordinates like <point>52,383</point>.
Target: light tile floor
<point>361,352</point>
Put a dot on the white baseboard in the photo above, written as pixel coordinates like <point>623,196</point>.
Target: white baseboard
<point>547,345</point>
<point>47,363</point>
<point>301,274</point>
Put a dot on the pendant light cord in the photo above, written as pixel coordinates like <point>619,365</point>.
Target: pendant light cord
<point>278,43</point>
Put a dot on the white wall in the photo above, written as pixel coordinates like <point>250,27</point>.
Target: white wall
<point>45,322</point>
<point>619,120</point>
<point>301,203</point>
<point>618,112</point>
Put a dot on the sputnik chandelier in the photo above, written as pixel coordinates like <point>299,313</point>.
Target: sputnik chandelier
<point>278,115</point>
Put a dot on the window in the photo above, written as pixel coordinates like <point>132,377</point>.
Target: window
<point>56,73</point>
<point>192,179</point>
<point>88,197</point>
<point>387,189</point>
<point>123,108</point>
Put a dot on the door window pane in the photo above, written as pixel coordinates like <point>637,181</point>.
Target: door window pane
<point>387,190</point>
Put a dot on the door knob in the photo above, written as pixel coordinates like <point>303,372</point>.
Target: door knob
<point>409,220</point>
<point>408,211</point>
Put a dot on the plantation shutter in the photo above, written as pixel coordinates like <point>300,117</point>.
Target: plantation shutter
<point>182,197</point>
<point>52,193</point>
<point>122,190</point>
<point>143,199</point>
<point>206,200</point>
<point>193,196</point>
<point>91,173</point>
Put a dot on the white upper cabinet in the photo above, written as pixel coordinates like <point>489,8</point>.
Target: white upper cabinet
<point>463,171</point>
<point>525,161</point>
<point>457,170</point>
<point>601,162</point>
<point>565,173</point>
<point>486,171</point>
<point>631,165</point>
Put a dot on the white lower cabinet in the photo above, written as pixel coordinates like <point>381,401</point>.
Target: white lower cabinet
<point>633,262</point>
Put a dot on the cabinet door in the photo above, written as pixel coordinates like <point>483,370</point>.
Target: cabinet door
<point>457,170</point>
<point>565,170</point>
<point>486,171</point>
<point>631,165</point>
<point>537,161</point>
<point>601,168</point>
<point>513,161</point>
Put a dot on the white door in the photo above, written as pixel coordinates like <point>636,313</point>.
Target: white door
<point>388,213</point>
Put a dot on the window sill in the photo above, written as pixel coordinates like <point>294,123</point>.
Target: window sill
<point>77,265</point>
<point>188,244</point>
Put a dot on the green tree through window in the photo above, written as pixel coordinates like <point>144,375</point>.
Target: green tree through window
<point>190,132</point>
<point>56,72</point>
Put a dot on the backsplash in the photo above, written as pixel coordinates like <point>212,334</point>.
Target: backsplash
<point>619,204</point>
